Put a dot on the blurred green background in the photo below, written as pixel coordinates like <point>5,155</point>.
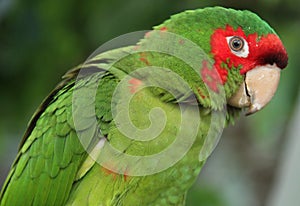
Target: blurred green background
<point>41,40</point>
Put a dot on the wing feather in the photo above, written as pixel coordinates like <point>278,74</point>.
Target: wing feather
<point>50,153</point>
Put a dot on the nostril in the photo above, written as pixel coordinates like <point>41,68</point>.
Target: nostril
<point>278,58</point>
<point>282,60</point>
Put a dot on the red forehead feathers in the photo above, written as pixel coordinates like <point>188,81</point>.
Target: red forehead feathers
<point>263,50</point>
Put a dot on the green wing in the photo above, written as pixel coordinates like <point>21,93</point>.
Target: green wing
<point>50,154</point>
<point>53,168</point>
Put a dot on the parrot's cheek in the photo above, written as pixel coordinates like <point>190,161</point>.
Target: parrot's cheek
<point>258,88</point>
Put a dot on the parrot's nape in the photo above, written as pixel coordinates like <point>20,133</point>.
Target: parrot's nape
<point>133,126</point>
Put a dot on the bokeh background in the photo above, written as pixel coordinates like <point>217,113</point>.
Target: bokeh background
<point>256,162</point>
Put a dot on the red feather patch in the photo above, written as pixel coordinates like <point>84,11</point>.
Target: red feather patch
<point>134,85</point>
<point>210,77</point>
<point>263,50</point>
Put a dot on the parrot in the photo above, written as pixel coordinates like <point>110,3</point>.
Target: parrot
<point>133,126</point>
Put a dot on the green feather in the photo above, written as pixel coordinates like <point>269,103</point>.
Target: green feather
<point>53,167</point>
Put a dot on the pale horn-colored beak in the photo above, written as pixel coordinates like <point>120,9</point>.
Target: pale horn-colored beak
<point>258,88</point>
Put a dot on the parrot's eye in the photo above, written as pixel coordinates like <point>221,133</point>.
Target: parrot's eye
<point>238,46</point>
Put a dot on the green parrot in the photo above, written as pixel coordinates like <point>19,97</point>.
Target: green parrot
<point>134,125</point>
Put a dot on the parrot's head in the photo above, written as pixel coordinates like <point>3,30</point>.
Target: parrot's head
<point>247,53</point>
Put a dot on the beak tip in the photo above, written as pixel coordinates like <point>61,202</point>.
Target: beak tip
<point>253,109</point>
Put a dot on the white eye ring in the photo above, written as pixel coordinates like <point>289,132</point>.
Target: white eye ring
<point>238,46</point>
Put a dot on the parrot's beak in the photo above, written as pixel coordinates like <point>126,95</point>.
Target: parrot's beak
<point>258,88</point>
